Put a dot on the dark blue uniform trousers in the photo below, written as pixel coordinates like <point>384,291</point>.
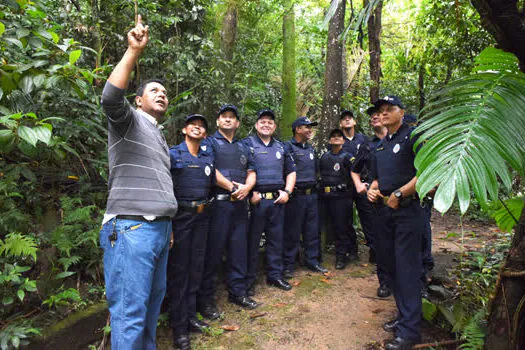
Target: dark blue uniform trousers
<point>400,236</point>
<point>340,212</point>
<point>186,264</point>
<point>266,217</point>
<point>428,260</point>
<point>228,231</point>
<point>301,217</point>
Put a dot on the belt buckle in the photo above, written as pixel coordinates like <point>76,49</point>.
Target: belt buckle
<point>232,198</point>
<point>308,191</point>
<point>385,200</point>
<point>327,189</point>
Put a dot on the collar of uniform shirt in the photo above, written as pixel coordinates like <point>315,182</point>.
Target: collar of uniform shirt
<point>151,119</point>
<point>303,145</point>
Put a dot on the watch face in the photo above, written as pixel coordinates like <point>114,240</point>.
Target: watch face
<point>398,194</point>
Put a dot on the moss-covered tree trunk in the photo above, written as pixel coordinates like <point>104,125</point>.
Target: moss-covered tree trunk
<point>333,77</point>
<point>507,313</point>
<point>288,77</point>
<point>374,48</point>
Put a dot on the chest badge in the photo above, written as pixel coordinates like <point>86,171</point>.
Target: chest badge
<point>311,156</point>
<point>337,167</point>
<point>278,155</point>
<point>203,147</point>
<point>396,148</point>
<point>243,159</point>
<point>358,145</point>
<point>207,170</point>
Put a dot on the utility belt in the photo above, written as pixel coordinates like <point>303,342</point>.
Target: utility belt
<point>404,202</point>
<point>336,188</point>
<point>194,206</point>
<point>304,191</point>
<point>269,195</point>
<point>225,197</point>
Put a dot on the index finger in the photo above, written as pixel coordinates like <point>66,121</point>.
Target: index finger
<point>139,20</point>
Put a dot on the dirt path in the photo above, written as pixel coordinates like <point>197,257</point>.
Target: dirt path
<point>339,311</point>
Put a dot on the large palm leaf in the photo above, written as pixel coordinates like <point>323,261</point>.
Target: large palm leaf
<point>473,133</point>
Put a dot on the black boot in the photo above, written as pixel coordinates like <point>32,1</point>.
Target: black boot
<point>181,339</point>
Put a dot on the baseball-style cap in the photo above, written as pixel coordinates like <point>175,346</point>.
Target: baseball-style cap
<point>196,116</point>
<point>229,107</point>
<point>336,132</point>
<point>265,113</point>
<point>303,121</point>
<point>371,110</point>
<point>346,112</point>
<point>391,99</point>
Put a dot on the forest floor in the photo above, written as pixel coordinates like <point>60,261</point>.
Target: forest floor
<point>339,310</point>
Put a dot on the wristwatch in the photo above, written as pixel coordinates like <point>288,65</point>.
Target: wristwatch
<point>289,193</point>
<point>398,194</point>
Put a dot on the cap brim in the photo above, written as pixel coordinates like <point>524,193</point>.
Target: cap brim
<point>371,110</point>
<point>198,117</point>
<point>266,114</point>
<point>381,102</point>
<point>229,109</point>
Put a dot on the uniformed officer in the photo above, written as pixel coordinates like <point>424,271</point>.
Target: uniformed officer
<point>193,172</point>
<point>428,260</point>
<point>353,143</point>
<point>302,209</point>
<point>229,223</point>
<point>336,192</point>
<point>400,221</point>
<point>275,183</point>
<point>367,213</point>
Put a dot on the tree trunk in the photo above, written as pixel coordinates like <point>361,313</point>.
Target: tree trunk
<point>421,85</point>
<point>374,47</point>
<point>228,36</point>
<point>333,77</point>
<point>505,22</point>
<point>288,88</point>
<point>507,314</point>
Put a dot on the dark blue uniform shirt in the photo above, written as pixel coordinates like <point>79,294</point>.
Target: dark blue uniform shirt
<point>393,162</point>
<point>273,163</point>
<point>232,159</point>
<point>335,171</point>
<point>306,163</point>
<point>363,160</point>
<point>352,146</point>
<point>192,176</point>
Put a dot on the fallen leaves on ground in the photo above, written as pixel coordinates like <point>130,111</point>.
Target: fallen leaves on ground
<point>280,304</point>
<point>257,315</point>
<point>325,281</point>
<point>230,327</point>
<point>296,283</point>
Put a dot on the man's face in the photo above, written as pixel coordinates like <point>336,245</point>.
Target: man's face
<point>154,100</point>
<point>347,122</point>
<point>195,129</point>
<point>337,139</point>
<point>375,120</point>
<point>227,121</point>
<point>265,126</point>
<point>390,114</point>
<point>304,132</point>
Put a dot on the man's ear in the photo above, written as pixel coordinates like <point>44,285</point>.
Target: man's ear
<point>184,131</point>
<point>138,101</point>
<point>217,122</point>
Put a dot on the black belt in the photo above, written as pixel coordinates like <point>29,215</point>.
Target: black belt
<point>142,218</point>
<point>194,206</point>
<point>225,197</point>
<point>336,188</point>
<point>303,191</point>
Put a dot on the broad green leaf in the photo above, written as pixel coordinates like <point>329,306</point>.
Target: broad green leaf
<point>21,294</point>
<point>429,310</point>
<point>42,133</point>
<point>2,28</point>
<point>74,56</point>
<point>14,42</point>
<point>1,93</point>
<point>22,32</point>
<point>7,300</point>
<point>506,217</point>
<point>26,84</point>
<point>27,134</point>
<point>64,274</point>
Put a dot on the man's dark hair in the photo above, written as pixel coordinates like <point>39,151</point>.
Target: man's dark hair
<point>142,86</point>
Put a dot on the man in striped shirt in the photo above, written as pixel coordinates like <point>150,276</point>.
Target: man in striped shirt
<point>136,228</point>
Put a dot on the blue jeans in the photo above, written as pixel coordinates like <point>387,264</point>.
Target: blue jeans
<point>135,275</point>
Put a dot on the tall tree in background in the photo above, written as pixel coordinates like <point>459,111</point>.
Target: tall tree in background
<point>374,47</point>
<point>333,77</point>
<point>228,36</point>
<point>289,88</point>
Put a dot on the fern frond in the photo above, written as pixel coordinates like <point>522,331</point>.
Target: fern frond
<point>19,245</point>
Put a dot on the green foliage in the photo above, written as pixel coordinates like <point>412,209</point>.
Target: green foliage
<point>18,245</point>
<point>507,213</point>
<point>63,298</point>
<point>15,335</point>
<point>473,333</point>
<point>463,148</point>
